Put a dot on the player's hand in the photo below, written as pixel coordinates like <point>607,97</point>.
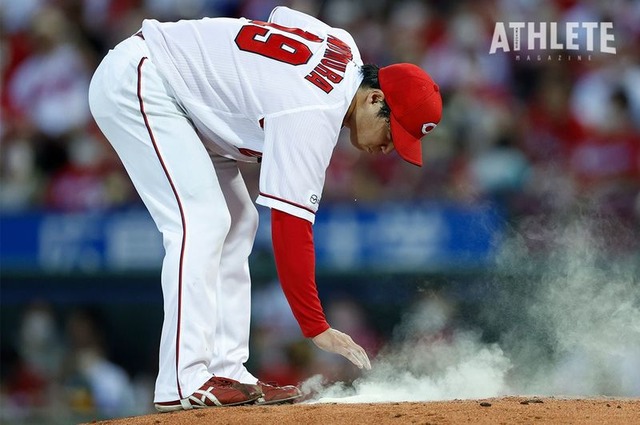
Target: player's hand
<point>338,342</point>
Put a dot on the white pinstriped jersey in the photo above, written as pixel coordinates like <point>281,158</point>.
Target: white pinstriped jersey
<point>278,90</point>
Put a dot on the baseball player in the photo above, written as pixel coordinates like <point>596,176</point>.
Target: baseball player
<point>182,103</point>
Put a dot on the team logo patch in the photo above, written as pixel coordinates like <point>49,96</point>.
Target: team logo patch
<point>427,127</point>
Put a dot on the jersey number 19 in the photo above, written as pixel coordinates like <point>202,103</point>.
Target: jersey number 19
<point>258,38</point>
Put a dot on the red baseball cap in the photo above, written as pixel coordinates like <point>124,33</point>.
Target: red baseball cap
<point>416,107</point>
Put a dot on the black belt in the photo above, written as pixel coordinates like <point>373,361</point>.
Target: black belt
<point>139,34</point>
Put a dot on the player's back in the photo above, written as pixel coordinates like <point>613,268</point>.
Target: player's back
<point>232,73</point>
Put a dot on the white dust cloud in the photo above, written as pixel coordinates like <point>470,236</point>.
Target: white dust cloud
<point>565,326</point>
<point>588,303</point>
<point>459,368</point>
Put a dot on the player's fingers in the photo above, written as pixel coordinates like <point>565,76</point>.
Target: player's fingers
<point>358,357</point>
<point>363,358</point>
<point>353,359</point>
<point>338,342</point>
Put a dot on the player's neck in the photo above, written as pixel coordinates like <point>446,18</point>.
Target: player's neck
<point>346,122</point>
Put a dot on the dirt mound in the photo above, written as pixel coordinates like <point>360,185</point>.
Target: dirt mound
<point>510,410</point>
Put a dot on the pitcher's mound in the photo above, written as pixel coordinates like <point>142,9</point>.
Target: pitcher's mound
<point>507,410</point>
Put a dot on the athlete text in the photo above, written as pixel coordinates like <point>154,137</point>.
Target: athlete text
<point>576,36</point>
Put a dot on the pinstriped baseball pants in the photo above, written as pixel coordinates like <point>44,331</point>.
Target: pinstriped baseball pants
<point>201,206</point>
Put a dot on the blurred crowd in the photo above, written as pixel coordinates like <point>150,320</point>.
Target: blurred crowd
<point>545,133</point>
<point>537,136</point>
<point>62,366</point>
<point>59,371</point>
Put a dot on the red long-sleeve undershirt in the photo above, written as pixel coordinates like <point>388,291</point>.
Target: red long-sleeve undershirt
<point>294,252</point>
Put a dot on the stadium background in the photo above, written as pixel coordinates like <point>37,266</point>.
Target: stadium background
<point>526,149</point>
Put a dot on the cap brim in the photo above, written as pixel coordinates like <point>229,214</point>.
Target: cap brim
<point>408,147</point>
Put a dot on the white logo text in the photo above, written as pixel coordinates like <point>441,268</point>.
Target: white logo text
<point>576,36</point>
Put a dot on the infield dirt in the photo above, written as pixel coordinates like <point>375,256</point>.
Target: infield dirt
<point>507,410</point>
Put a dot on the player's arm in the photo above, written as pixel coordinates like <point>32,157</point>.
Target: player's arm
<point>294,253</point>
<point>297,151</point>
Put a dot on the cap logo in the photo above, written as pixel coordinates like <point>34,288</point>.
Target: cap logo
<point>427,127</point>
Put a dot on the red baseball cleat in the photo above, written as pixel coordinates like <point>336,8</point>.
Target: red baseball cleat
<point>273,394</point>
<point>215,392</point>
